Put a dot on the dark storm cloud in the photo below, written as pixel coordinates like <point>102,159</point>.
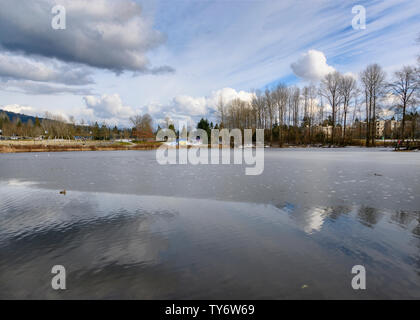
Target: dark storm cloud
<point>19,67</point>
<point>104,34</point>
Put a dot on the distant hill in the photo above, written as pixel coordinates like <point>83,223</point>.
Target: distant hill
<point>23,117</point>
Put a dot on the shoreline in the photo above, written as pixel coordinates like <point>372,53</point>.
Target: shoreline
<point>9,146</point>
<point>12,146</point>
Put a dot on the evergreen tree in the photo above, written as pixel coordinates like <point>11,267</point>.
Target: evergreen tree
<point>204,125</point>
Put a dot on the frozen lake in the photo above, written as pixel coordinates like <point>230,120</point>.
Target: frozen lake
<point>131,228</point>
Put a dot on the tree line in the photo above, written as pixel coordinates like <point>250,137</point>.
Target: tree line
<point>290,114</point>
<point>57,127</point>
<point>337,110</point>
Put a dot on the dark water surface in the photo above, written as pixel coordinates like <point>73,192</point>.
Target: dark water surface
<point>130,228</point>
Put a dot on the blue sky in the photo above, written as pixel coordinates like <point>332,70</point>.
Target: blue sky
<point>204,49</point>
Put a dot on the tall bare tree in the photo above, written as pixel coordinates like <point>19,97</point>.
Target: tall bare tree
<point>258,104</point>
<point>294,104</point>
<point>404,86</point>
<point>330,89</point>
<point>281,95</point>
<point>270,105</point>
<point>221,110</point>
<point>347,90</point>
<point>373,81</point>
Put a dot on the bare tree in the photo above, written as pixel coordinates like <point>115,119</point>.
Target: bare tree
<point>347,90</point>
<point>280,96</point>
<point>270,104</point>
<point>330,87</point>
<point>258,104</point>
<point>373,81</point>
<point>312,108</point>
<point>221,109</point>
<point>143,126</point>
<point>404,87</point>
<point>321,108</point>
<point>55,126</point>
<point>356,113</point>
<point>306,120</point>
<point>294,104</point>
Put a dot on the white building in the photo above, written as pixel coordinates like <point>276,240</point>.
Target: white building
<point>380,128</point>
<point>327,130</point>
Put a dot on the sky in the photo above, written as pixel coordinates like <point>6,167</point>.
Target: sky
<point>175,58</point>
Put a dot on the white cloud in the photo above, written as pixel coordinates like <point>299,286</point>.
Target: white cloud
<point>34,110</point>
<point>312,66</point>
<point>190,105</point>
<point>386,113</point>
<point>389,100</point>
<point>108,106</point>
<point>18,108</point>
<point>387,105</point>
<point>351,74</point>
<point>42,88</point>
<point>227,95</point>
<point>190,108</point>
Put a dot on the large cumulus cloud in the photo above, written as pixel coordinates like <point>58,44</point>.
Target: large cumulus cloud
<point>192,108</point>
<point>108,106</point>
<point>311,66</point>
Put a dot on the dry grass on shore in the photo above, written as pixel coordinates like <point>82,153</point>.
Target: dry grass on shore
<point>13,146</point>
